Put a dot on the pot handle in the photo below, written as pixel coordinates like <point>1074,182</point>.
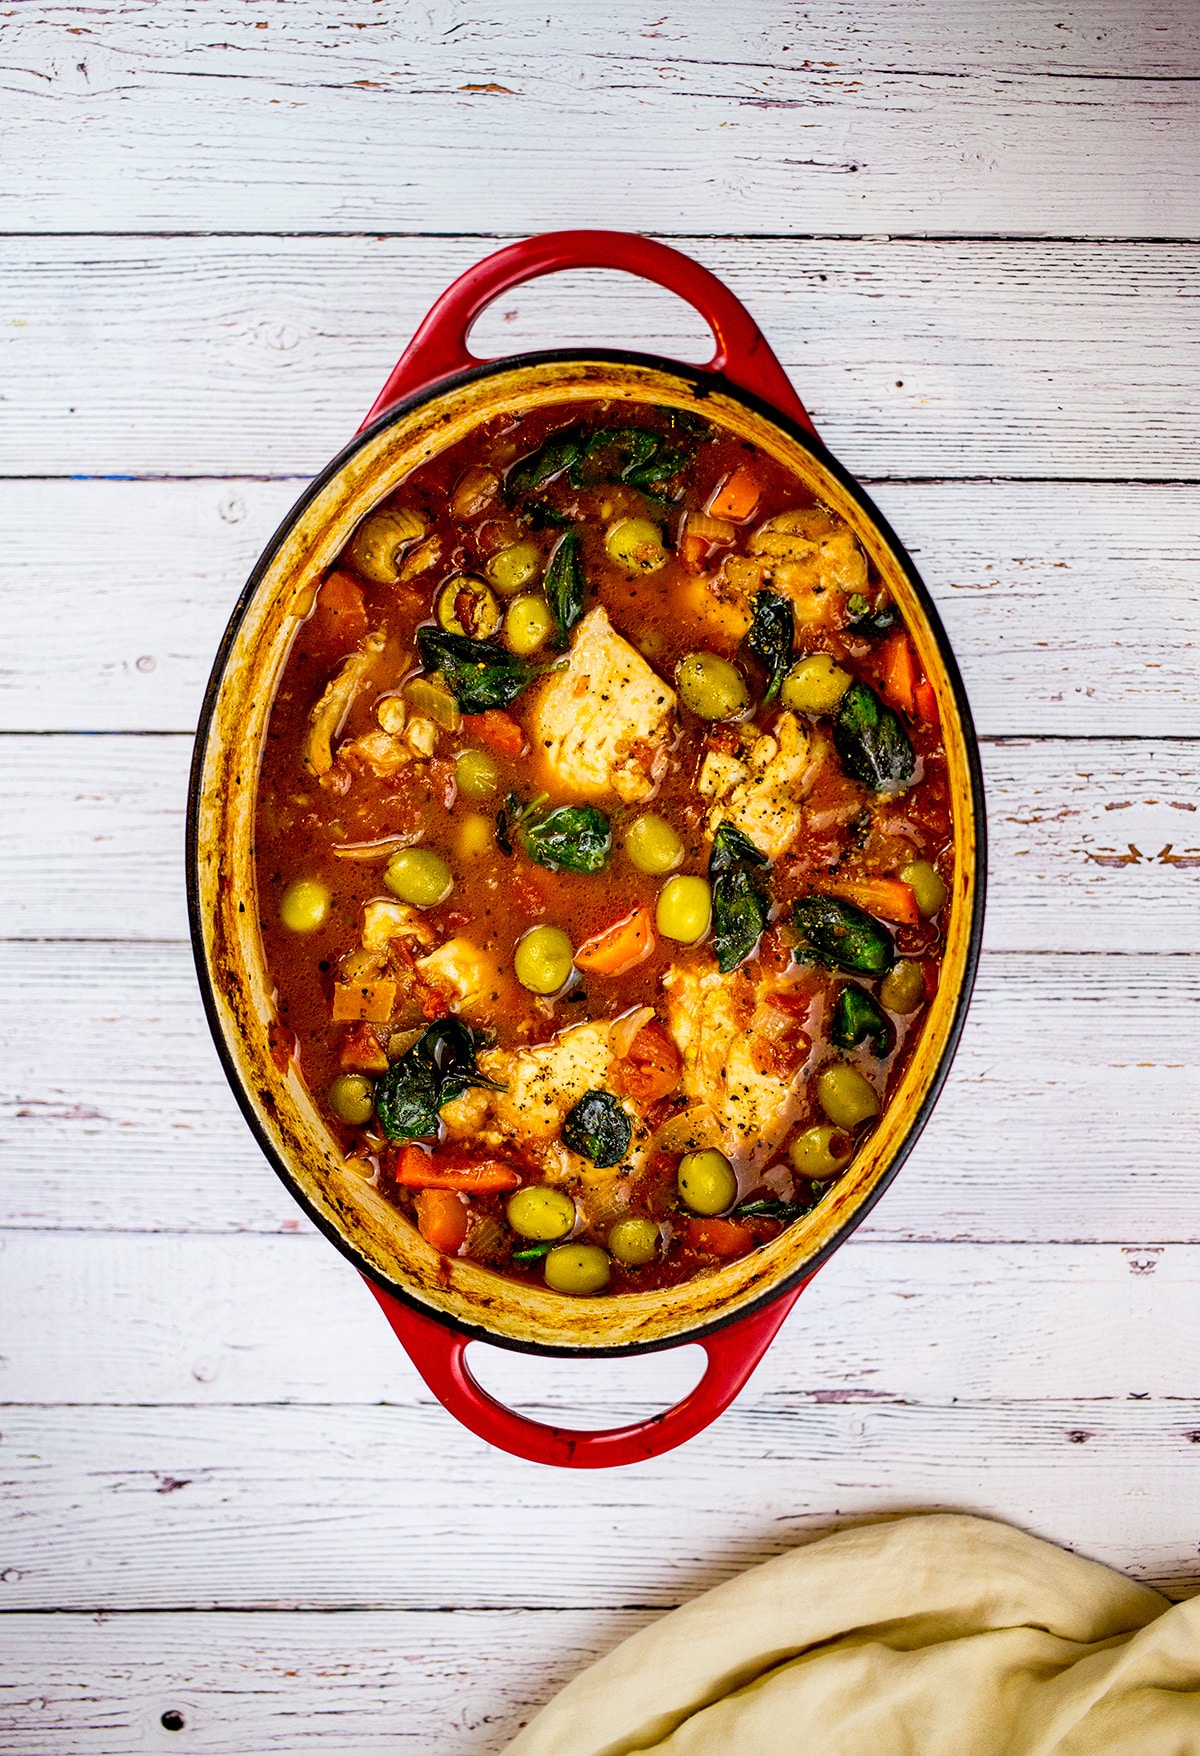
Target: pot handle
<point>439,348</point>
<point>439,1353</point>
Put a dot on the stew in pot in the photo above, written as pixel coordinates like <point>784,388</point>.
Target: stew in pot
<point>604,848</point>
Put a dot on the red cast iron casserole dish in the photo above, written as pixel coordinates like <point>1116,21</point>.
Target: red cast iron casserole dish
<point>437,394</point>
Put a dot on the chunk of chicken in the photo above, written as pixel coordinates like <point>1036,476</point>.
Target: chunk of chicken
<point>763,792</point>
<point>717,1021</point>
<point>329,715</point>
<point>546,1080</point>
<point>605,720</point>
<point>462,970</point>
<point>810,556</point>
<point>384,921</point>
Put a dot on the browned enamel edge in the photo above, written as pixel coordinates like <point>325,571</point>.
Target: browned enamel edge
<point>224,927</point>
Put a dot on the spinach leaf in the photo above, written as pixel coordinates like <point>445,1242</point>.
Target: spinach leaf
<point>872,742</point>
<point>782,1210</point>
<point>611,453</point>
<point>771,637</point>
<point>740,906</point>
<point>575,836</point>
<point>558,453</point>
<point>533,1252</point>
<point>871,624</point>
<point>439,1066</point>
<point>842,936</point>
<point>477,674</point>
<point>539,515</point>
<point>598,1128</point>
<point>565,585</point>
<point>858,1017</point>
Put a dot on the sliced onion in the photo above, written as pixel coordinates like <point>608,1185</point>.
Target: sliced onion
<point>622,1031</point>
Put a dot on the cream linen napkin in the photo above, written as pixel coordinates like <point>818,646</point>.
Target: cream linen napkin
<point>930,1636</point>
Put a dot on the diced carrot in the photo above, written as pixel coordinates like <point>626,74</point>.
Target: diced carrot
<point>650,1067</point>
<point>498,730</point>
<point>618,948</point>
<point>736,498</point>
<point>442,1219</point>
<point>899,676</point>
<point>421,1170</point>
<point>362,1052</point>
<point>372,1001</point>
<point>925,699</point>
<point>718,1237</point>
<point>887,898</point>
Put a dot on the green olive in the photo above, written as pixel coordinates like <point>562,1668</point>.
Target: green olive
<point>577,1268</point>
<point>541,1214</point>
<point>684,909</point>
<point>927,887</point>
<point>528,622</point>
<point>653,845</point>
<point>509,569</point>
<point>635,544</point>
<point>821,1152</point>
<point>476,774</point>
<point>304,905</point>
<point>544,959</point>
<point>419,876</point>
<point>815,685</point>
<point>634,1242</point>
<point>352,1098</point>
<point>463,601</point>
<point>710,686</point>
<point>706,1181</point>
<point>903,987</point>
<point>845,1096</point>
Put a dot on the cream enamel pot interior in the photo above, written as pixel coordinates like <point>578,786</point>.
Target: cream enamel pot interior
<point>436,395</point>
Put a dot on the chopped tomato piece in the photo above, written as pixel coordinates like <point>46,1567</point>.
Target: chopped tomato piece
<point>719,1237</point>
<point>736,498</point>
<point>442,1219</point>
<point>498,730</point>
<point>925,700</point>
<point>899,675</point>
<point>422,1170</point>
<point>693,552</point>
<point>618,948</point>
<point>650,1067</point>
<point>887,898</point>
<point>362,1051</point>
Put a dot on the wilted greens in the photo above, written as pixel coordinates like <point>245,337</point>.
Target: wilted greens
<point>771,637</point>
<point>842,936</point>
<point>440,1066</point>
<point>565,585</point>
<point>598,1128</point>
<point>740,905</point>
<point>478,675</point>
<point>871,741</point>
<point>857,1018</point>
<point>575,836</point>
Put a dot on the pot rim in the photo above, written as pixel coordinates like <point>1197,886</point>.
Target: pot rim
<point>706,382</point>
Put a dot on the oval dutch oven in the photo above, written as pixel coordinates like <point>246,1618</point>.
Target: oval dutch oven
<point>438,393</point>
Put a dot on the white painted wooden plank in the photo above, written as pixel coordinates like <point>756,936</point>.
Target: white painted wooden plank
<point>1094,843</point>
<point>371,1683</point>
<point>302,1507</point>
<point>112,1318</point>
<point>259,356</point>
<point>1071,1113</point>
<point>144,117</point>
<point>1072,607</point>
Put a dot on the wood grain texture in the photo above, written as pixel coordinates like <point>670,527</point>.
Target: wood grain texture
<point>223,1320</point>
<point>368,1683</point>
<point>303,1507</point>
<point>1094,844</point>
<point>1071,606</point>
<point>1070,1114</point>
<point>260,356</point>
<point>136,117</point>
